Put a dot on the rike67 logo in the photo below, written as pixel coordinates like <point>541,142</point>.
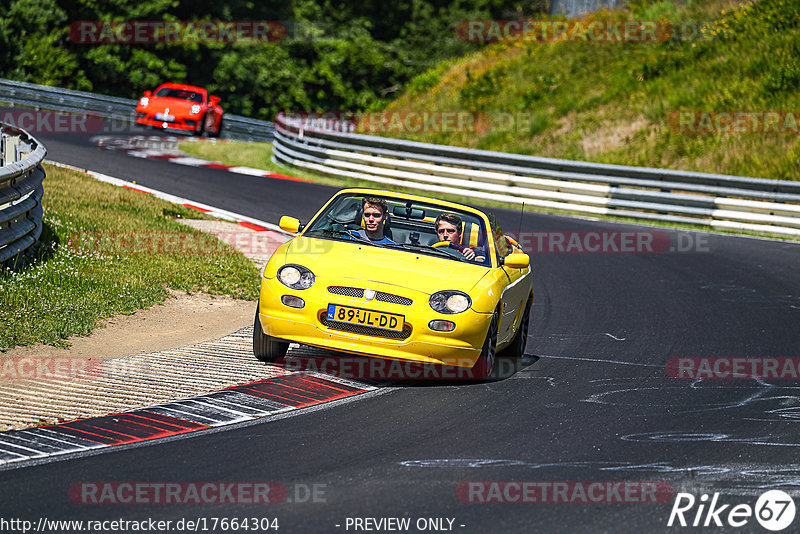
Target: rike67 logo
<point>774,510</point>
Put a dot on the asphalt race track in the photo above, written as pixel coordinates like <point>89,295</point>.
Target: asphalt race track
<point>593,400</point>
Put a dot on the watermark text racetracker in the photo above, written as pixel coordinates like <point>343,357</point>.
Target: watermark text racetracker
<point>58,122</point>
<point>584,31</point>
<point>187,493</point>
<point>546,31</point>
<point>366,368</point>
<point>733,368</point>
<point>392,121</point>
<point>129,243</point>
<point>49,368</point>
<point>62,122</point>
<point>609,242</point>
<point>412,121</point>
<point>574,492</point>
<point>176,31</point>
<point>711,122</point>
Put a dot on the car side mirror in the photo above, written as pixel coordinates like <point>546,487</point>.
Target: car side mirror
<point>517,260</point>
<point>213,100</point>
<point>148,94</point>
<point>289,224</point>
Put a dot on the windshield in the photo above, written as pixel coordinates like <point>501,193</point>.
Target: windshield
<point>171,92</point>
<point>410,226</point>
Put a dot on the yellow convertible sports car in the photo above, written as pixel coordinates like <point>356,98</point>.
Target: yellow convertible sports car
<point>376,273</point>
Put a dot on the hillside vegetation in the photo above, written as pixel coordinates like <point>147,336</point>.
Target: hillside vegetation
<point>621,102</point>
<point>318,55</point>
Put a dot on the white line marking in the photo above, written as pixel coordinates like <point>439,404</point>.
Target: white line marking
<point>192,162</point>
<point>249,170</point>
<point>602,361</point>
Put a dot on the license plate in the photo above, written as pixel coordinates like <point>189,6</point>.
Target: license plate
<point>166,118</point>
<point>375,319</point>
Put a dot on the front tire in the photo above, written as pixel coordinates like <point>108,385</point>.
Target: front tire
<point>202,131</point>
<point>266,348</point>
<point>484,366</point>
<point>516,349</point>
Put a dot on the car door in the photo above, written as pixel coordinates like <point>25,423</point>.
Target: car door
<point>514,294</point>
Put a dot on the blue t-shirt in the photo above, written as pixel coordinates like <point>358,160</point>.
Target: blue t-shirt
<point>363,233</point>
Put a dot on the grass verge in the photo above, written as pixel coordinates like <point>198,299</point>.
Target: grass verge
<point>625,102</point>
<point>105,251</point>
<point>257,156</point>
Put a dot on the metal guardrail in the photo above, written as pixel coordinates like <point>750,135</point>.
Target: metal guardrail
<point>114,108</point>
<point>716,200</point>
<point>21,191</point>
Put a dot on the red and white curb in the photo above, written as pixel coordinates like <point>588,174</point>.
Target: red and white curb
<point>242,220</point>
<point>247,402</point>
<point>166,150</point>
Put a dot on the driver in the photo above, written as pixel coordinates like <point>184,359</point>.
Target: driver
<point>449,228</point>
<point>375,212</point>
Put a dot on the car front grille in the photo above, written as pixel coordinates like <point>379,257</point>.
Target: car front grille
<point>365,330</point>
<point>358,292</point>
<point>355,292</point>
<point>394,299</point>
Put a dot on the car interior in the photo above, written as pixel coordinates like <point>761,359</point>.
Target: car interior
<point>180,93</point>
<point>408,222</point>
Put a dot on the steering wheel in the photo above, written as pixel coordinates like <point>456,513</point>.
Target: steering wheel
<point>441,244</point>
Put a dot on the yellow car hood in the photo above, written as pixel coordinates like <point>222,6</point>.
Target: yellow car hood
<point>346,262</point>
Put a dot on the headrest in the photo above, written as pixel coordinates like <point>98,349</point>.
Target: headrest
<point>469,235</point>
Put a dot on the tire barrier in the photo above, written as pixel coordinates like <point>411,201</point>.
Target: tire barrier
<point>21,191</point>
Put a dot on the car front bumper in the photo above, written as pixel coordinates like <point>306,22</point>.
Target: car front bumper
<point>418,343</point>
<point>178,123</point>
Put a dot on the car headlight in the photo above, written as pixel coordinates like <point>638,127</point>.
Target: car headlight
<point>296,276</point>
<point>450,301</point>
<point>195,109</point>
<point>144,102</point>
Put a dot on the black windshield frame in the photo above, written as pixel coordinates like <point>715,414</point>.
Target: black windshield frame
<point>410,222</point>
<point>174,92</point>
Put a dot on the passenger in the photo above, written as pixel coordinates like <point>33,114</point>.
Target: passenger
<point>449,228</point>
<point>375,212</point>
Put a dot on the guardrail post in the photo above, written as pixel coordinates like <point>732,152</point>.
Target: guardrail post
<point>21,150</point>
<point>11,152</point>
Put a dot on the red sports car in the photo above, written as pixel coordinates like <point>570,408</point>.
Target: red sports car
<point>175,106</point>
